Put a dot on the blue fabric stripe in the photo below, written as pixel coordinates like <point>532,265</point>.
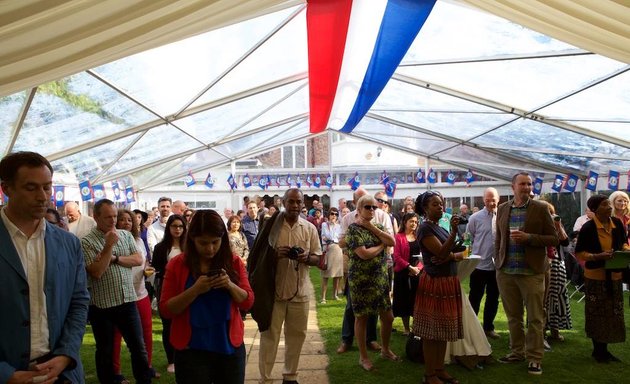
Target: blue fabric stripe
<point>400,26</point>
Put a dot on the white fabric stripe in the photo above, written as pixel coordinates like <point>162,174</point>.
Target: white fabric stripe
<point>365,21</point>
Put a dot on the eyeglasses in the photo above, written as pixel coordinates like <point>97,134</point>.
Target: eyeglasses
<point>382,201</point>
<point>177,226</point>
<point>370,207</point>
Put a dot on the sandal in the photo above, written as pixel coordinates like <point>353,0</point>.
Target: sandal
<point>366,364</point>
<point>390,356</point>
<point>447,379</point>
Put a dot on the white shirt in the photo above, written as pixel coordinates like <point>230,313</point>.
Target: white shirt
<point>155,233</point>
<point>138,272</point>
<point>32,252</point>
<point>82,227</point>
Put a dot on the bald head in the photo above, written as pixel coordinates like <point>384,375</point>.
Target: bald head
<point>491,199</point>
<point>72,211</point>
<point>358,193</point>
<point>178,207</point>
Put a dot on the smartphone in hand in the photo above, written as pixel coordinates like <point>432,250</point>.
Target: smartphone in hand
<point>214,273</point>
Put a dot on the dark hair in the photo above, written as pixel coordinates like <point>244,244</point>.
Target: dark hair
<point>594,201</point>
<point>520,174</point>
<point>192,212</point>
<point>12,162</point>
<point>168,238</point>
<point>145,216</point>
<point>161,199</point>
<point>54,213</point>
<point>135,229</point>
<point>99,204</point>
<point>423,199</point>
<point>232,219</point>
<point>406,217</point>
<point>333,210</point>
<point>209,222</point>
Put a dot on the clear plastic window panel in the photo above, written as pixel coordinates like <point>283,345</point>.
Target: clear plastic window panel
<point>300,156</point>
<point>287,156</point>
<point>10,107</point>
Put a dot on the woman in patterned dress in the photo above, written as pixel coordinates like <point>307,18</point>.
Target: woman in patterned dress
<point>367,278</point>
<point>238,242</point>
<point>437,315</point>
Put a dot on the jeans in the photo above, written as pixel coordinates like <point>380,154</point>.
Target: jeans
<point>125,317</point>
<point>196,367</point>
<point>347,327</point>
<point>481,281</point>
<point>166,339</point>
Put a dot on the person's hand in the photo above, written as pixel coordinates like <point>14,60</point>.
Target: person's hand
<point>438,260</point>
<point>282,252</point>
<point>365,223</point>
<point>219,281</point>
<point>454,223</point>
<point>413,271</point>
<point>204,284</point>
<point>54,366</point>
<point>111,238</point>
<point>518,236</point>
<point>30,377</point>
<point>606,255</point>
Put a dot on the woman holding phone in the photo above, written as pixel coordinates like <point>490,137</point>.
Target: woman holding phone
<point>203,291</point>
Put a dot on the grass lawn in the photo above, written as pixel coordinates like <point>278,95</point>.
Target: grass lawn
<point>568,362</point>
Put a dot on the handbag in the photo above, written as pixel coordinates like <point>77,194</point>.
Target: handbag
<point>413,349</point>
<point>323,260</point>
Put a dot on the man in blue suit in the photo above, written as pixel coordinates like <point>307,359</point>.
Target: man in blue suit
<point>42,281</point>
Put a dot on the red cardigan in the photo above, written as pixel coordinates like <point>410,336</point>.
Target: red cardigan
<point>401,253</point>
<point>174,284</point>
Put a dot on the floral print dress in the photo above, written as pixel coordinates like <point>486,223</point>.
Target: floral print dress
<point>368,281</point>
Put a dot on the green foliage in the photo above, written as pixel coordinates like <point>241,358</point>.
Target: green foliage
<point>84,103</point>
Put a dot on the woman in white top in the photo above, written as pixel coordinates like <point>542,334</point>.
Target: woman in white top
<point>128,221</point>
<point>331,230</point>
<point>170,246</point>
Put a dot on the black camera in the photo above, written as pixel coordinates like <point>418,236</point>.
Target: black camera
<point>295,252</point>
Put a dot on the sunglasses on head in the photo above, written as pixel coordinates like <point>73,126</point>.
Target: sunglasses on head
<point>370,207</point>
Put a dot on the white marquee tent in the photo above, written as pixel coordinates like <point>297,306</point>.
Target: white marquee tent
<point>154,89</point>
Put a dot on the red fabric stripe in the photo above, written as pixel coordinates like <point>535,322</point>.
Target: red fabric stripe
<point>327,28</point>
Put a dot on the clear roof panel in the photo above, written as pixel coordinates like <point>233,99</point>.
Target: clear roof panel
<point>601,108</point>
<point>168,77</point>
<point>144,151</point>
<point>284,54</point>
<point>89,163</point>
<point>517,83</point>
<point>10,107</point>
<point>216,123</point>
<point>454,31</point>
<point>78,107</point>
<point>295,103</point>
<point>265,139</point>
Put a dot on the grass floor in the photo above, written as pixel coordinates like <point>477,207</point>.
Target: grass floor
<point>568,362</point>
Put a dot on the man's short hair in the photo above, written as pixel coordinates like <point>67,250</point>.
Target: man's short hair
<point>286,193</point>
<point>161,199</point>
<point>12,162</point>
<point>99,204</point>
<point>523,173</point>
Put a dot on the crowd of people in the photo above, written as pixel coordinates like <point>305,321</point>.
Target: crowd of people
<point>204,272</point>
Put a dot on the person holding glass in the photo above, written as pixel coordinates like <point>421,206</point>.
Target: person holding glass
<point>367,278</point>
<point>164,251</point>
<point>204,290</point>
<point>597,240</point>
<point>407,268</point>
<point>438,310</point>
<point>127,221</point>
<point>331,230</point>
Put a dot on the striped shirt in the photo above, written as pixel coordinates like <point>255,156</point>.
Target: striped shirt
<point>115,286</point>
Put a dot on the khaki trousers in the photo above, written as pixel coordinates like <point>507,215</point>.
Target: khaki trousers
<point>516,291</point>
<point>294,316</point>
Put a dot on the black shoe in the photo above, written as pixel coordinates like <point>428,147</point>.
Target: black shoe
<point>289,382</point>
<point>602,359</point>
<point>612,358</point>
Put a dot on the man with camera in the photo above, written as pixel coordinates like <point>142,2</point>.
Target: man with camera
<point>297,247</point>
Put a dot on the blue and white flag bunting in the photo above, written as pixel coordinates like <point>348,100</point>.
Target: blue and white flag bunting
<point>189,180</point>
<point>613,180</point>
<point>558,182</point>
<point>99,192</point>
<point>591,182</point>
<point>209,182</point>
<point>59,195</point>
<point>571,182</point>
<point>86,190</point>
<point>247,181</point>
<point>420,176</point>
<point>129,195</point>
<point>538,184</point>
<point>116,189</point>
<point>431,176</point>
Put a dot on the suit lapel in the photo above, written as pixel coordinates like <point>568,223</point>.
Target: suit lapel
<point>9,253</point>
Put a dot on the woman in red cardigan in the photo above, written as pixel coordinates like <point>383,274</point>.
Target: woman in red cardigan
<point>203,291</point>
<point>407,268</point>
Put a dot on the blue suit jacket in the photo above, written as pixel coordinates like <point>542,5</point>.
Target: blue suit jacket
<point>67,302</point>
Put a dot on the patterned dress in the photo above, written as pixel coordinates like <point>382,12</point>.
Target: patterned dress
<point>368,281</point>
<point>557,300</point>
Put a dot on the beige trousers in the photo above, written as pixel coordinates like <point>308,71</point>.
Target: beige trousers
<point>294,316</point>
